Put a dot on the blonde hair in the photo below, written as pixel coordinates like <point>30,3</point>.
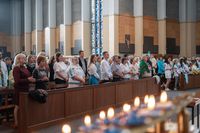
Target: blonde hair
<point>16,59</point>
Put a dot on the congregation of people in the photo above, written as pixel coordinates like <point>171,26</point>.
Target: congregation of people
<point>39,70</point>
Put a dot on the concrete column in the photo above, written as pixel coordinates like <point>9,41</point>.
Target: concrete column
<point>86,30</point>
<point>161,16</point>
<point>16,29</point>
<point>68,26</point>
<point>139,35</point>
<point>187,18</point>
<point>27,26</point>
<point>110,24</point>
<point>39,26</point>
<point>183,27</point>
<point>191,32</point>
<point>52,27</point>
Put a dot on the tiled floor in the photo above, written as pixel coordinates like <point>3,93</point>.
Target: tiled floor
<point>76,123</point>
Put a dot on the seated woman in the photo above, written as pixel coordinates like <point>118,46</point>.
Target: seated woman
<point>145,68</point>
<point>41,73</point>
<point>194,67</point>
<point>22,78</point>
<point>127,73</point>
<point>92,71</point>
<point>76,73</point>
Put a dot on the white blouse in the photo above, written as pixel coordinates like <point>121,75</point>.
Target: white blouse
<point>126,70</point>
<point>106,72</point>
<point>75,70</point>
<point>135,70</point>
<point>62,68</point>
<point>92,70</point>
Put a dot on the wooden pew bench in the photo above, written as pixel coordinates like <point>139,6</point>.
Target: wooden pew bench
<point>7,107</point>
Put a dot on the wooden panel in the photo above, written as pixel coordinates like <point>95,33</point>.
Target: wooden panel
<point>193,82</point>
<point>80,101</point>
<point>74,101</point>
<point>51,110</point>
<point>124,92</point>
<point>139,88</point>
<point>104,96</point>
<point>153,87</point>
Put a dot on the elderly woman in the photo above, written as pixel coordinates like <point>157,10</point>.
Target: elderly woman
<point>76,73</point>
<point>22,79</point>
<point>60,70</point>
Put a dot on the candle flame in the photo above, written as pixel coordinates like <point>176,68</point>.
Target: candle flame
<point>146,98</point>
<point>163,97</point>
<point>102,115</point>
<point>87,120</point>
<point>137,102</point>
<point>126,107</point>
<point>151,103</point>
<point>110,113</point>
<point>66,129</point>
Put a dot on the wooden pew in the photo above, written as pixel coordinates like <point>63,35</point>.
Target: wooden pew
<point>75,101</point>
<point>8,106</point>
<point>194,82</point>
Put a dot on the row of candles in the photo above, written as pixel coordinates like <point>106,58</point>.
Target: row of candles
<point>149,101</point>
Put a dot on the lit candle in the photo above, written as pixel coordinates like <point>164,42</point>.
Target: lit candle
<point>66,129</point>
<point>87,120</point>
<point>151,103</point>
<point>110,113</point>
<point>137,102</point>
<point>146,98</point>
<point>163,97</point>
<point>102,115</point>
<point>126,108</point>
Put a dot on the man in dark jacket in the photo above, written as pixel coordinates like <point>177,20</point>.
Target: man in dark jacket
<point>82,62</point>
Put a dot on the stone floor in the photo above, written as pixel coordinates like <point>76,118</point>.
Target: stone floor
<point>76,123</point>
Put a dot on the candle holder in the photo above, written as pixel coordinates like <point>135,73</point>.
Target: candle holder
<point>141,118</point>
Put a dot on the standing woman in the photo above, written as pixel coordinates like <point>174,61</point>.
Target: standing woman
<point>127,73</point>
<point>31,63</point>
<point>168,73</point>
<point>41,73</point>
<point>60,70</point>
<point>134,68</point>
<point>22,78</point>
<point>92,70</point>
<point>51,70</point>
<point>77,75</point>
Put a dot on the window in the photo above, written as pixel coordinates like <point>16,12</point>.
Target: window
<point>96,26</point>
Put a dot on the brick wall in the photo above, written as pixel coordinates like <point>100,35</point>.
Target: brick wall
<point>151,28</point>
<point>126,26</point>
<point>173,30</point>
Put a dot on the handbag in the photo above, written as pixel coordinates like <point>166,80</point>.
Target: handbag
<point>39,95</point>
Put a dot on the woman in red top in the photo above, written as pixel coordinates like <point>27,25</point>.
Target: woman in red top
<point>22,78</point>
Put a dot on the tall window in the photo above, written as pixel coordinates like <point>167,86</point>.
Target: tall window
<point>96,21</point>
